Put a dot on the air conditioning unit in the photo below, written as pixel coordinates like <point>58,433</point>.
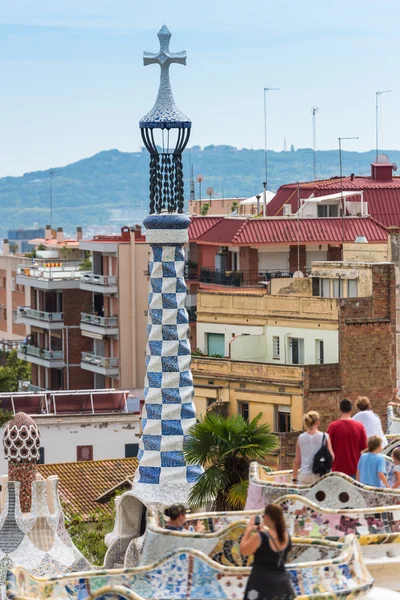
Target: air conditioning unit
<point>287,210</point>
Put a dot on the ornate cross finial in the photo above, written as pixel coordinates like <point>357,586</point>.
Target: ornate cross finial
<point>164,114</point>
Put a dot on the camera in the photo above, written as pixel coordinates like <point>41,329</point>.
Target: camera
<point>257,521</point>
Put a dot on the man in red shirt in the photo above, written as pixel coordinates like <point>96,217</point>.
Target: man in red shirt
<point>348,439</point>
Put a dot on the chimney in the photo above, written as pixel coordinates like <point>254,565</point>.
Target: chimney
<point>6,247</point>
<point>47,234</point>
<point>382,171</point>
<point>79,234</point>
<point>60,234</point>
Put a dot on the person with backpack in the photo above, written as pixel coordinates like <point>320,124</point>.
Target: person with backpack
<point>314,454</point>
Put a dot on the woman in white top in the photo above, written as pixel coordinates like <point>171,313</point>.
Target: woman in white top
<point>308,444</point>
<point>369,419</point>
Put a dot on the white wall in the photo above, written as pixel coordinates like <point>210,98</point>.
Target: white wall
<point>228,330</point>
<point>60,440</point>
<point>273,260</point>
<point>313,255</point>
<point>330,338</point>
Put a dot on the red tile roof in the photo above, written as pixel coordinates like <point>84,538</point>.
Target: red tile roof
<point>81,483</point>
<point>199,225</point>
<point>383,197</point>
<point>284,230</point>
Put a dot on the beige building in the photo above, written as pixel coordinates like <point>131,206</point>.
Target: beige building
<point>219,206</point>
<point>12,295</point>
<point>117,321</point>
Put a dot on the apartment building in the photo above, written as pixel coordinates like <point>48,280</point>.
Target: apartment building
<point>52,312</point>
<point>12,295</point>
<point>115,324</point>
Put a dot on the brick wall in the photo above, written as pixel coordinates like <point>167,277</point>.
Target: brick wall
<point>286,449</point>
<point>248,258</point>
<point>296,259</point>
<point>334,253</point>
<point>75,302</point>
<point>322,391</point>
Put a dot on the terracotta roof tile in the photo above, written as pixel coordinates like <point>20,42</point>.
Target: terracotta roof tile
<point>81,483</point>
<point>199,225</point>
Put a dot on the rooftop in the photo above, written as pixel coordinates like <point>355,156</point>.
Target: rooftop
<point>82,483</point>
<point>284,230</point>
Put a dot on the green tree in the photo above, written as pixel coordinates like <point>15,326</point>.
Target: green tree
<point>204,209</point>
<point>225,447</point>
<point>235,206</point>
<point>13,247</point>
<point>14,370</point>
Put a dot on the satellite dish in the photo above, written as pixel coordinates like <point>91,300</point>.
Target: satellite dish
<point>394,167</point>
<point>382,159</point>
<point>298,275</point>
<point>210,191</point>
<point>200,178</point>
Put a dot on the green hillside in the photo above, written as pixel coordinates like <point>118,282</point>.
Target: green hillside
<point>86,192</point>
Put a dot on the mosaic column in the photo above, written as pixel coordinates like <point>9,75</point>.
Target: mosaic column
<point>21,448</point>
<point>163,476</point>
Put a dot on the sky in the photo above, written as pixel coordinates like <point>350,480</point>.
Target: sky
<point>73,81</point>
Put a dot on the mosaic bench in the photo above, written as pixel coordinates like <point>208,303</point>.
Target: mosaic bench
<point>393,422</point>
<point>334,490</point>
<point>191,575</point>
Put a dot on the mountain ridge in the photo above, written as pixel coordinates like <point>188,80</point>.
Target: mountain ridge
<point>90,191</point>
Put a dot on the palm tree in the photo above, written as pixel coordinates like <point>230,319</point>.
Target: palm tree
<point>225,446</point>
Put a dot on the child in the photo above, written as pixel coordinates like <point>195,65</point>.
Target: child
<point>371,468</point>
<point>396,470</point>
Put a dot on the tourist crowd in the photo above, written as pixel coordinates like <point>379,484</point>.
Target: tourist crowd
<point>351,445</point>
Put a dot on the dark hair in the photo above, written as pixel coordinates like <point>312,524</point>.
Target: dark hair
<point>346,406</point>
<point>275,513</point>
<point>396,454</point>
<point>363,403</point>
<point>175,511</point>
<point>374,442</point>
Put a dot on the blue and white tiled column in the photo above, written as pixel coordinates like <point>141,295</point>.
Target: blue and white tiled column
<point>163,476</point>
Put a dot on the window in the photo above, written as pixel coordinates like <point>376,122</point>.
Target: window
<point>283,419</point>
<point>5,283</point>
<point>131,450</point>
<point>84,453</point>
<point>352,291</point>
<point>210,401</point>
<point>244,410</point>
<point>337,288</point>
<point>296,351</point>
<point>5,314</point>
<point>215,344</point>
<point>276,350</point>
<point>327,210</point>
<point>40,460</point>
<point>319,351</point>
<point>321,287</point>
<point>13,284</point>
<point>15,316</point>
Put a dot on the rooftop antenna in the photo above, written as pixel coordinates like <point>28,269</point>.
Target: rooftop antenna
<point>266,89</point>
<point>199,179</point>
<point>52,172</point>
<point>341,182</point>
<point>314,111</point>
<point>377,101</point>
<point>192,192</point>
<point>210,192</point>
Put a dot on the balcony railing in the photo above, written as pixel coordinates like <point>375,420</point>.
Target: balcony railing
<point>103,280</point>
<point>240,278</point>
<point>100,321</point>
<point>41,352</point>
<point>51,270</point>
<point>40,315</point>
<point>100,361</point>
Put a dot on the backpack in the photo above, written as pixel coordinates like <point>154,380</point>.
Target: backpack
<point>322,461</point>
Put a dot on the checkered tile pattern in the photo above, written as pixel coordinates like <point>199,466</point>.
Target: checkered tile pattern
<point>169,411</point>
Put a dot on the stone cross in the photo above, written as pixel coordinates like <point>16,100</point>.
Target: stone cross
<point>164,57</point>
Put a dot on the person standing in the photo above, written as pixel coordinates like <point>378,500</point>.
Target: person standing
<point>348,439</point>
<point>369,419</point>
<point>371,468</point>
<point>270,543</point>
<point>308,444</point>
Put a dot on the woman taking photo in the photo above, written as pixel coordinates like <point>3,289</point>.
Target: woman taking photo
<point>270,543</point>
<point>308,444</point>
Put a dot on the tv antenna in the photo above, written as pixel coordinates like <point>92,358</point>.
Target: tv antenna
<point>377,105</point>
<point>52,172</point>
<point>314,111</point>
<point>210,192</point>
<point>199,179</point>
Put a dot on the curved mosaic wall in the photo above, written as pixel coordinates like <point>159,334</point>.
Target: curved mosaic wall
<point>197,577</point>
<point>334,490</point>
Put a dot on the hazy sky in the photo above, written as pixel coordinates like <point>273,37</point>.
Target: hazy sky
<point>72,80</point>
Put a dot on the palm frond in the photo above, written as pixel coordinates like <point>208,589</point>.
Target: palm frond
<point>210,483</point>
<point>237,494</point>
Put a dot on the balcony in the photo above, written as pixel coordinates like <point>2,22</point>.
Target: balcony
<point>240,278</point>
<point>102,284</point>
<point>104,365</point>
<point>40,318</point>
<point>52,359</point>
<point>50,275</point>
<point>99,326</point>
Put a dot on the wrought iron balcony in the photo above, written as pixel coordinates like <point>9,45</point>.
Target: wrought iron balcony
<point>240,278</point>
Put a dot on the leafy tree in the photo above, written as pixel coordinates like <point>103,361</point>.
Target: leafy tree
<point>14,370</point>
<point>13,247</point>
<point>204,209</point>
<point>235,206</point>
<point>225,446</point>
